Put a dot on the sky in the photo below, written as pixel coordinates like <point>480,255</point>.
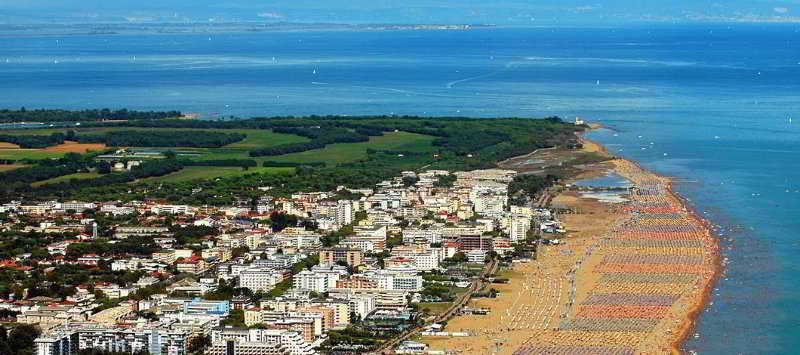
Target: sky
<point>500,12</point>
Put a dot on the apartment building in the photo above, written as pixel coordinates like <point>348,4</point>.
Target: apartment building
<point>70,339</point>
<point>261,279</point>
<point>352,257</point>
<point>243,341</point>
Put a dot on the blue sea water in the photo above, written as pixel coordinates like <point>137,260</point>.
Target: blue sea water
<point>707,104</point>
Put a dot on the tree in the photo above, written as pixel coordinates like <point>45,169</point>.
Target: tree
<point>22,337</point>
<point>281,221</point>
<point>234,319</point>
<point>199,343</point>
<point>459,257</point>
<point>170,154</point>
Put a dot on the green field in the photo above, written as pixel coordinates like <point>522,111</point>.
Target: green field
<point>211,172</point>
<point>348,152</point>
<point>18,154</point>
<point>332,154</point>
<point>91,175</point>
<point>435,308</point>
<point>256,138</point>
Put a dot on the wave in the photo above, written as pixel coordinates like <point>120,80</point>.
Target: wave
<point>410,93</point>
<point>615,60</point>
<point>508,66</point>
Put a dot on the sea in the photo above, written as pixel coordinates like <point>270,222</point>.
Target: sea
<point>708,104</point>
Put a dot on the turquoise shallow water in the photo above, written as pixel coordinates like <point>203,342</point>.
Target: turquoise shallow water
<point>610,180</point>
<point>710,105</point>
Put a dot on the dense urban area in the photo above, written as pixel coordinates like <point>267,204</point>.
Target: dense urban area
<point>319,256</point>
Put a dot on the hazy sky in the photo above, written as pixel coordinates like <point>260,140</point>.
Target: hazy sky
<point>517,12</point>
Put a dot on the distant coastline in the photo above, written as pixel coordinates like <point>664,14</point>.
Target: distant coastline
<point>23,30</point>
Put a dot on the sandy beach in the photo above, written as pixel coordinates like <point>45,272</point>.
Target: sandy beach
<point>629,279</point>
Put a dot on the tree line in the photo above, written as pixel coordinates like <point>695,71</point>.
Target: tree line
<point>192,139</point>
<point>45,115</point>
<point>34,141</point>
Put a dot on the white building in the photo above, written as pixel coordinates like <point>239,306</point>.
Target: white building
<point>477,256</point>
<point>520,225</point>
<point>344,212</point>
<point>311,281</point>
<point>260,279</point>
<point>243,341</point>
<point>68,340</point>
<point>172,209</point>
<point>430,235</point>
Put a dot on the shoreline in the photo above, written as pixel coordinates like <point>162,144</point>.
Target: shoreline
<point>702,301</point>
<point>690,322</point>
<point>629,278</point>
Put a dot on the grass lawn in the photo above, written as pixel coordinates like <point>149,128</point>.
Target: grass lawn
<point>91,175</point>
<point>10,167</point>
<point>436,308</point>
<point>348,152</point>
<point>210,172</point>
<point>508,274</point>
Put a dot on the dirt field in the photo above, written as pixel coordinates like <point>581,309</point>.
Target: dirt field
<point>9,167</point>
<point>6,145</point>
<point>74,147</point>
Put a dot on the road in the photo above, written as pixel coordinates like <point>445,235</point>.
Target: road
<point>461,301</point>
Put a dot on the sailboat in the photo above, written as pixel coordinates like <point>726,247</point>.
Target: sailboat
<point>315,72</point>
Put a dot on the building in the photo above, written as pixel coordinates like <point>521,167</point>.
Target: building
<point>261,279</point>
<point>344,212</point>
<point>251,341</point>
<point>429,235</point>
<point>470,242</point>
<point>194,265</point>
<point>222,254</point>
<point>139,231</point>
<point>520,225</point>
<point>311,281</point>
<point>356,282</point>
<point>396,280</point>
<point>476,256</point>
<point>233,347</point>
<point>69,339</point>
<point>171,209</point>
<point>352,257</point>
<point>320,278</point>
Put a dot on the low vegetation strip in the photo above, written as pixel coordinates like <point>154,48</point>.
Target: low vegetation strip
<point>24,115</point>
<point>34,141</point>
